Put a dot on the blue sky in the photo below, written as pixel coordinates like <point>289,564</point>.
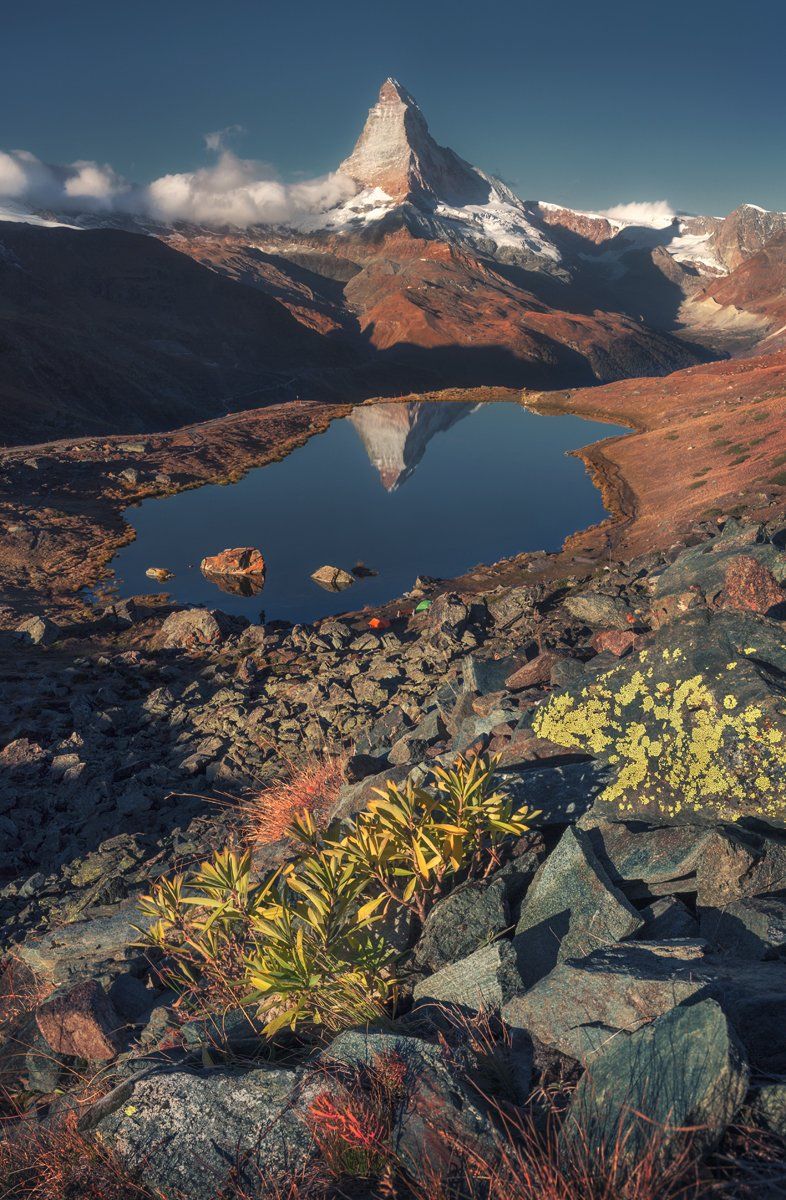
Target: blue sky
<point>588,104</point>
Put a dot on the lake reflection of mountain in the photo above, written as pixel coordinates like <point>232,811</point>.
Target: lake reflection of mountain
<point>395,436</point>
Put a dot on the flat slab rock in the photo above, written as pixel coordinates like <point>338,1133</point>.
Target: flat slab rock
<point>584,1004</point>
<point>483,980</point>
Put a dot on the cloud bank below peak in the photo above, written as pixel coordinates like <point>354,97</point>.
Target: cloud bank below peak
<point>229,191</point>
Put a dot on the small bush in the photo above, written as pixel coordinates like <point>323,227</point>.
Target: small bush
<point>303,945</point>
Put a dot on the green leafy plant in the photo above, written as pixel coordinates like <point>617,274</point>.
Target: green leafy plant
<point>304,944</point>
<point>412,842</point>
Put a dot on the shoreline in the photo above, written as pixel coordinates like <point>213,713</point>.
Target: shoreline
<point>63,516</point>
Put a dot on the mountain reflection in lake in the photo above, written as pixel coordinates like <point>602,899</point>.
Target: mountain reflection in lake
<point>429,488</point>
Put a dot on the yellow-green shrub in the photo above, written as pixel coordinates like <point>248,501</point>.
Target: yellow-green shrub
<point>304,944</point>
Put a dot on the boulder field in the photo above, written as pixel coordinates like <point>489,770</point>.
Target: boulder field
<point>629,953</point>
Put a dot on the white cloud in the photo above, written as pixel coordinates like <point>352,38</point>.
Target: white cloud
<point>240,191</point>
<point>655,213</point>
<point>231,191</point>
<point>74,186</point>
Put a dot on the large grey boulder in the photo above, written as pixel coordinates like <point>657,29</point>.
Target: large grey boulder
<point>584,1004</point>
<point>38,631</point>
<point>571,908</point>
<point>192,629</point>
<point>186,1132</point>
<point>686,1070</point>
<point>483,980</point>
<point>464,921</point>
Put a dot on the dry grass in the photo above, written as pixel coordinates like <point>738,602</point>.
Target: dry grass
<point>311,785</point>
<point>56,1162</point>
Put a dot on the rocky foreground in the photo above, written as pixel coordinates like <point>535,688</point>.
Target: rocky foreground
<point>628,957</point>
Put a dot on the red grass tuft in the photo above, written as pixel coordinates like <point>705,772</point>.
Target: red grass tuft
<point>312,786</point>
<point>56,1162</point>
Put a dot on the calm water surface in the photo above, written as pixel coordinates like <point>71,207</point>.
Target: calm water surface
<point>408,489</point>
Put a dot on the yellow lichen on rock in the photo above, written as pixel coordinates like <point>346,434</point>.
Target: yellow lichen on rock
<point>675,746</point>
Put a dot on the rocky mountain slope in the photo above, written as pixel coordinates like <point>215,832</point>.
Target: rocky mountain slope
<point>103,330</point>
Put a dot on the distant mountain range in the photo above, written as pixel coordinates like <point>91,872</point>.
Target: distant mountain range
<point>431,274</point>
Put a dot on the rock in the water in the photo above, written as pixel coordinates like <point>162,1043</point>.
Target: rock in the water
<point>685,1070</point>
<point>243,560</point>
<point>160,574</point>
<point>750,928</point>
<point>187,1133</point>
<point>333,579</point>
<point>571,908</point>
<point>463,922</point>
<point>483,980</point>
<point>586,1003</point>
<point>38,631</point>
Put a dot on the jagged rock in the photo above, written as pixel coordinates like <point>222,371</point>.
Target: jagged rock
<point>452,620</point>
<point>333,579</point>
<point>571,908</point>
<point>704,567</point>
<point>38,631</point>
<point>686,1069</point>
<point>585,1003</point>
<point>483,980</point>
<point>751,928</point>
<point>532,674</point>
<point>769,1107</point>
<point>80,1022</point>
<point>487,675</point>
<point>667,918</point>
<point>188,1133</point>
<point>749,585</point>
<point>595,609</point>
<point>618,642</point>
<point>719,863</point>
<point>705,703</point>
<point>464,921</point>
<point>438,1108</point>
<point>243,560</point>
